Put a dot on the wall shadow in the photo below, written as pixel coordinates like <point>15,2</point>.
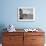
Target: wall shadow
<point>2,27</point>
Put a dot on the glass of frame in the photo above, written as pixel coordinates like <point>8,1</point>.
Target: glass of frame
<point>26,14</point>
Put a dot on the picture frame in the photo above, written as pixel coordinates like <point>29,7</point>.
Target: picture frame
<point>26,14</point>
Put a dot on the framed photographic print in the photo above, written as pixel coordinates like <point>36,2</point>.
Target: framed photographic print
<point>26,14</point>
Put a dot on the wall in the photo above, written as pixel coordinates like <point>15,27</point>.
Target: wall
<point>9,13</point>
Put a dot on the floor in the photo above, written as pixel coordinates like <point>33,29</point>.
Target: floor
<point>45,45</point>
<point>0,44</point>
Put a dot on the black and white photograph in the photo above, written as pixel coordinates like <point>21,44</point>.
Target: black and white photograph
<point>26,14</point>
